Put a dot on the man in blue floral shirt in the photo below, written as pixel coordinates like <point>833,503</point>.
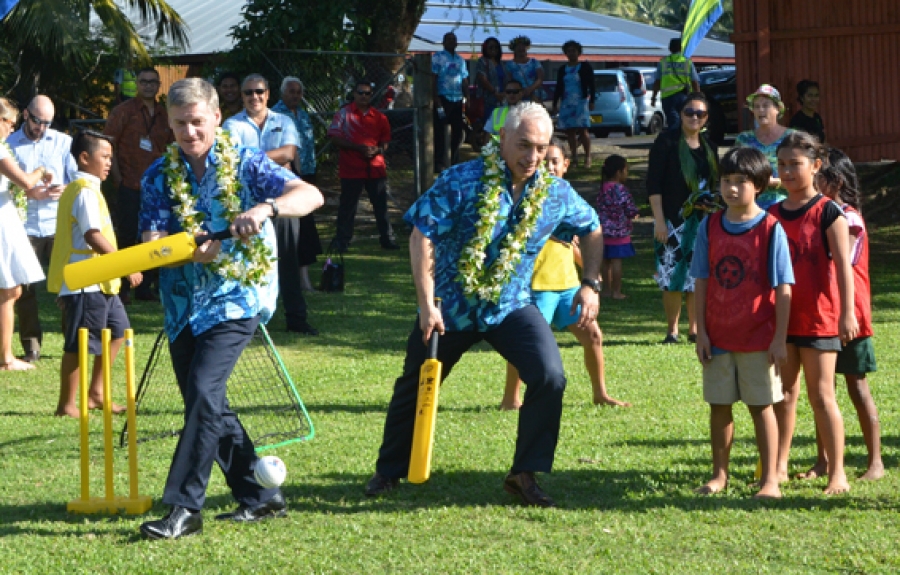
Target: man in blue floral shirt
<point>446,219</point>
<point>210,317</point>
<point>451,86</point>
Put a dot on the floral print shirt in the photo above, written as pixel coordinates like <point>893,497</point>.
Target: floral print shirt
<point>446,215</point>
<point>306,150</point>
<point>192,294</point>
<point>616,210</point>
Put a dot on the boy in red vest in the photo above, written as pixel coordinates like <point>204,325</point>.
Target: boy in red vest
<point>743,273</point>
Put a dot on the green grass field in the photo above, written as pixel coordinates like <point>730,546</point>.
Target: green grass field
<point>623,477</point>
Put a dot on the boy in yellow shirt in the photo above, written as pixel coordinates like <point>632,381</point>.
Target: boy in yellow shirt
<point>554,284</point>
<point>83,230</point>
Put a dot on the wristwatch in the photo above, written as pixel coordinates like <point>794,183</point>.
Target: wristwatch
<point>595,285</point>
<point>274,204</point>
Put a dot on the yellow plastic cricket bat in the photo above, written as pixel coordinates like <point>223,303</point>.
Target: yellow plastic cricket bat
<point>167,251</point>
<point>426,412</point>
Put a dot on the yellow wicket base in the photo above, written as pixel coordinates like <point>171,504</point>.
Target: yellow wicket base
<point>134,504</point>
<point>117,505</point>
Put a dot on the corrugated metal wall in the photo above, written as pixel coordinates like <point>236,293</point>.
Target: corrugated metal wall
<point>851,47</point>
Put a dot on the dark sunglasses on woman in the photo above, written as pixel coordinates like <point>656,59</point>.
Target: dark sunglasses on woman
<point>694,113</point>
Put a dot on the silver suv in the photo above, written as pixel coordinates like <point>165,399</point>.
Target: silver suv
<point>640,82</point>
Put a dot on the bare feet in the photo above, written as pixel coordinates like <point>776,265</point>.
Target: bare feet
<point>820,469</point>
<point>874,472</point>
<point>70,410</point>
<point>619,296</point>
<point>610,401</point>
<point>16,365</point>
<point>96,404</point>
<point>768,491</point>
<point>510,405</point>
<point>837,485</point>
<point>712,486</point>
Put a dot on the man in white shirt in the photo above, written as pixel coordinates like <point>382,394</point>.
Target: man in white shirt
<point>37,145</point>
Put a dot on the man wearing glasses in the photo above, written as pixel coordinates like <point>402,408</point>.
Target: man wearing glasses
<point>140,129</point>
<point>256,126</point>
<point>513,94</point>
<point>362,133</point>
<point>37,145</point>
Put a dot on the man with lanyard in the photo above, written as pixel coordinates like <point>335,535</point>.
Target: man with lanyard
<point>140,130</point>
<point>450,87</point>
<point>212,309</point>
<point>362,133</point>
<point>485,290</point>
<point>676,77</point>
<point>304,166</point>
<point>513,94</point>
<point>36,145</point>
<point>258,127</point>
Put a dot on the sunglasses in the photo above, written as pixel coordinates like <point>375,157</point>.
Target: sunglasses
<point>148,82</point>
<point>694,113</point>
<point>257,91</point>
<point>364,92</point>
<point>513,92</point>
<point>38,121</point>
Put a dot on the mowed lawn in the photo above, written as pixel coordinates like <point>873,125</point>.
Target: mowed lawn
<point>623,477</point>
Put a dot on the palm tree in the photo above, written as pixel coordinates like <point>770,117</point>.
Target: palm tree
<point>45,39</point>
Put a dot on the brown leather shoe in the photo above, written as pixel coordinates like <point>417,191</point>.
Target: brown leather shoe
<point>526,488</point>
<point>380,484</point>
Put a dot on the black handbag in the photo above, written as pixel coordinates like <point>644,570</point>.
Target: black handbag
<point>333,273</point>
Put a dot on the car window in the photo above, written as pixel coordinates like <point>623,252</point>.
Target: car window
<point>606,82</point>
<point>634,79</point>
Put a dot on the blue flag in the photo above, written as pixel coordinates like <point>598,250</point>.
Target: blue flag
<point>6,6</point>
<point>700,19</point>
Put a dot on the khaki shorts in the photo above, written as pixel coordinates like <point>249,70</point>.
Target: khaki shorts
<point>748,377</point>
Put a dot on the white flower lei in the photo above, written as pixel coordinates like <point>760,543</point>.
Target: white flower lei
<point>17,193</point>
<point>487,283</point>
<point>247,263</point>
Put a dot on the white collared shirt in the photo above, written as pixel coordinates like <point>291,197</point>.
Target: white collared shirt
<point>278,130</point>
<point>53,152</point>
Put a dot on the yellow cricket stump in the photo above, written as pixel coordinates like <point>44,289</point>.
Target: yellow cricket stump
<point>134,504</point>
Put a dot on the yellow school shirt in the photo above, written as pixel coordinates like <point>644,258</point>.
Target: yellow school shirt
<point>554,268</point>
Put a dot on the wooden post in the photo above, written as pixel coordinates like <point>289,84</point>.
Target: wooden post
<point>423,103</point>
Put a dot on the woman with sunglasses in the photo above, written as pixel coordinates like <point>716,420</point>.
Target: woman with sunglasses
<point>683,168</point>
<point>575,88</point>
<point>18,263</point>
<point>767,108</point>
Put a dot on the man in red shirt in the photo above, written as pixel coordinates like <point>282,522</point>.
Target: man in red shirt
<point>362,133</point>
<point>140,129</point>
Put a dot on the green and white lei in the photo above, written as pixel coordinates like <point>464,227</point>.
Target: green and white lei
<point>486,283</point>
<point>245,262</point>
<point>17,193</point>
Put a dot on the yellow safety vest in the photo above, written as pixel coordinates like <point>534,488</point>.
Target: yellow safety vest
<point>676,75</point>
<point>498,117</point>
<point>62,245</point>
<point>129,84</point>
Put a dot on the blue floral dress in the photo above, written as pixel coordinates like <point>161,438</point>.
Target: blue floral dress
<point>574,111</point>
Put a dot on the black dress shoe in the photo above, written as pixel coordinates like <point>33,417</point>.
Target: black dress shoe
<point>31,356</point>
<point>526,488</point>
<point>303,328</point>
<point>380,484</point>
<point>275,507</point>
<point>389,245</point>
<point>180,522</point>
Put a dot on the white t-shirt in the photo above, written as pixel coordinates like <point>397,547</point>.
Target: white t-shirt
<point>86,211</point>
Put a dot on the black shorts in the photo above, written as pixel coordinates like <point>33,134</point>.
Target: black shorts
<point>813,342</point>
<point>95,311</point>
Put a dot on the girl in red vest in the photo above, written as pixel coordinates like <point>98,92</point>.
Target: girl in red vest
<point>822,314</point>
<point>838,181</point>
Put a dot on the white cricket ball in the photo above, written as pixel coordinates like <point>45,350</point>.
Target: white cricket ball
<point>270,471</point>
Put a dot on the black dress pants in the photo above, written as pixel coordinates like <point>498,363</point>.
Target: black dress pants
<point>287,233</point>
<point>212,432</point>
<point>523,339</point>
<point>351,190</point>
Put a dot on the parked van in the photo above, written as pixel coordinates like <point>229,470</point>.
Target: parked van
<point>640,82</point>
<point>614,107</point>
